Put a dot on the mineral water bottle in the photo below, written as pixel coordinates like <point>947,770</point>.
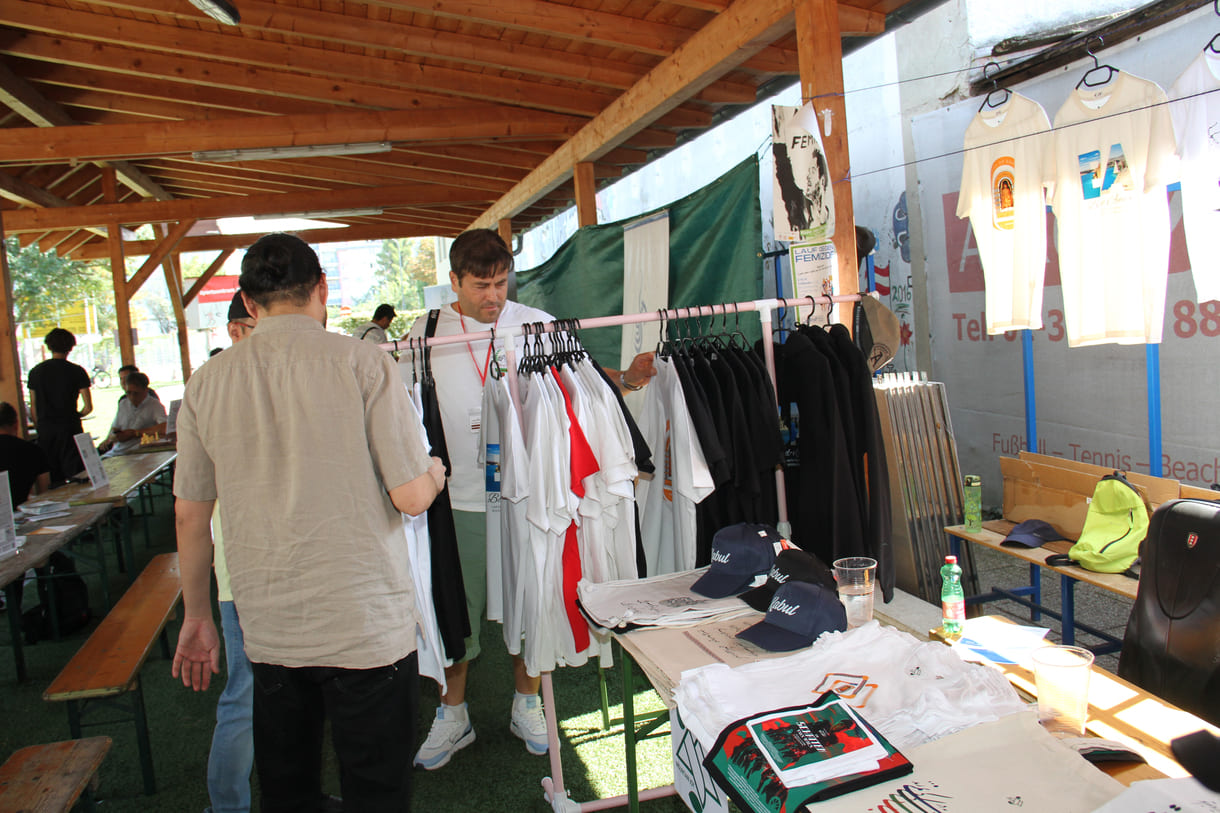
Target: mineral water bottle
<point>972,490</point>
<point>952,599</point>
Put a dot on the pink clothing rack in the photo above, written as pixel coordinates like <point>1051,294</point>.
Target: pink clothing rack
<point>553,784</point>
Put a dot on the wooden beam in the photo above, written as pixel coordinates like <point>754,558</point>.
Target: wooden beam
<point>231,242</point>
<point>403,195</point>
<point>821,51</point>
<point>19,191</point>
<point>10,359</point>
<point>173,138</point>
<point>25,100</point>
<point>283,56</point>
<point>211,271</point>
<point>164,247</point>
<point>173,284</point>
<point>118,277</point>
<point>725,42</point>
<point>586,194</point>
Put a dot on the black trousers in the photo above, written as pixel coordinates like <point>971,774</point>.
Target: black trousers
<point>372,714</point>
<point>58,440</point>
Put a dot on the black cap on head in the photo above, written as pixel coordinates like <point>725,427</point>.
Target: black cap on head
<point>237,308</point>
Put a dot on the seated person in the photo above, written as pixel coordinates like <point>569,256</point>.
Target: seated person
<point>138,414</point>
<point>126,370</point>
<point>29,471</point>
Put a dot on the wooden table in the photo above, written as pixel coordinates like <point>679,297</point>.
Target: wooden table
<point>167,445</point>
<point>1118,710</point>
<point>128,475</point>
<point>37,549</point>
<point>992,536</point>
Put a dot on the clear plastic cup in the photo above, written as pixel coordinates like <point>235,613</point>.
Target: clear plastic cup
<point>1061,677</point>
<point>855,576</point>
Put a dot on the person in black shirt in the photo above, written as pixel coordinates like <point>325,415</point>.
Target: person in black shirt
<point>56,385</point>
<point>26,464</point>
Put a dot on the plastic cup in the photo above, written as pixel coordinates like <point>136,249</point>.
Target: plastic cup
<point>855,578</point>
<point>1061,676</point>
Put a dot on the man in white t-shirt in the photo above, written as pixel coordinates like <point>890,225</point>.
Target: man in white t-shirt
<point>480,263</point>
<point>137,414</point>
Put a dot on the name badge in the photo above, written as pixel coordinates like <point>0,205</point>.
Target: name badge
<point>475,416</point>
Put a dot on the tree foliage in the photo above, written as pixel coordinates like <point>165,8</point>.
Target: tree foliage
<point>404,267</point>
<point>46,286</point>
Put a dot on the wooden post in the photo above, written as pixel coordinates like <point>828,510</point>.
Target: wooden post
<point>10,367</point>
<point>505,228</point>
<point>820,55</point>
<point>586,194</point>
<point>173,283</point>
<point>118,273</point>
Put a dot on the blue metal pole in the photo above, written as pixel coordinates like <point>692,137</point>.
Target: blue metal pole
<point>872,273</point>
<point>1152,353</point>
<point>1031,401</point>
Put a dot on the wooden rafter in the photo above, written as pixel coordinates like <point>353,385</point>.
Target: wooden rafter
<point>726,41</point>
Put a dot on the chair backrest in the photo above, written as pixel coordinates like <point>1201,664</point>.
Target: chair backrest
<point>1172,644</point>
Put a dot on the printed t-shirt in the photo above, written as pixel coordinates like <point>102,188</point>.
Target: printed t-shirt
<point>1195,110</point>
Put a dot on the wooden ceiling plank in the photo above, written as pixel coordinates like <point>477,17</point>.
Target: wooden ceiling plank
<point>303,59</point>
<point>23,220</point>
<point>742,29</point>
<point>40,111</point>
<point>169,138</point>
<point>196,72</point>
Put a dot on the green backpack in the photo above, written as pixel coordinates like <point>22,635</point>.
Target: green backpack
<point>1113,529</point>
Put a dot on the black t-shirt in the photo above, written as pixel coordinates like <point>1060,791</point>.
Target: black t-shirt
<point>23,461</point>
<point>56,384</point>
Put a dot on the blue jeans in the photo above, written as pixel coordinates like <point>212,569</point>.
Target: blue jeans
<point>232,757</point>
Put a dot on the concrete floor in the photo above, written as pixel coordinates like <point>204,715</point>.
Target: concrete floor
<point>1099,608</point>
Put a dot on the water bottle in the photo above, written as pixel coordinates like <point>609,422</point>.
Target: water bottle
<point>952,599</point>
<point>972,490</point>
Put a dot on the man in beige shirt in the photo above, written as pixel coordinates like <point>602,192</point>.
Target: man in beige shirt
<point>311,445</point>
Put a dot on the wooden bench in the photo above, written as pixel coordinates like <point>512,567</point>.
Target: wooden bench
<point>51,778</point>
<point>105,672</point>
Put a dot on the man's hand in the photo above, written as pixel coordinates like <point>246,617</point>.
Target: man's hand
<point>642,369</point>
<point>198,655</point>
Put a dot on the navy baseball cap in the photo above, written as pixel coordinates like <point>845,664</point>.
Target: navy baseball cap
<point>1033,533</point>
<point>799,612</point>
<point>795,565</point>
<point>739,553</point>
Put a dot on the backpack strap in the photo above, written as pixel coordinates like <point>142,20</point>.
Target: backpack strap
<point>434,316</point>
<point>365,333</point>
<point>1063,560</point>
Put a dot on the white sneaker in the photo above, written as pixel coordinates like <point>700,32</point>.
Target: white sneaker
<point>447,737</point>
<point>529,723</point>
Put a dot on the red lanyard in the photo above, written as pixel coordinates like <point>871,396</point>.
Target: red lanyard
<point>482,372</point>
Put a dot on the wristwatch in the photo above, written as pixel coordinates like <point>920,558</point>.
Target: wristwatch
<point>622,380</point>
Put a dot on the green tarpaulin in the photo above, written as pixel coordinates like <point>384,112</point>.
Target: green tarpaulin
<point>715,237</point>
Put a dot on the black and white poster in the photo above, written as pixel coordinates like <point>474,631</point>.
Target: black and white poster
<point>804,199</point>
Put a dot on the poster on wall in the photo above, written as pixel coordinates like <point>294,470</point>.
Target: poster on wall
<point>813,274</point>
<point>803,200</point>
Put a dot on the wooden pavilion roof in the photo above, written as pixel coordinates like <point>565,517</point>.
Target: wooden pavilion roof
<point>486,109</point>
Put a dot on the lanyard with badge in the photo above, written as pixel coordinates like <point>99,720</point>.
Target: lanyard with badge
<point>475,416</point>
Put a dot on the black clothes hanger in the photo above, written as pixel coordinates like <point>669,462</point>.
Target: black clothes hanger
<point>1214,45</point>
<point>996,90</point>
<point>1110,70</point>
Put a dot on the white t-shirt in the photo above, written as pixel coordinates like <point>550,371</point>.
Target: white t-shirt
<point>1196,123</point>
<point>148,414</point>
<point>1002,194</point>
<point>457,369</point>
<point>1107,175</point>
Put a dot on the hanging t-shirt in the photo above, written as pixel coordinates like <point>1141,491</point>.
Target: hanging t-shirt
<point>1002,194</point>
<point>459,369</point>
<point>1195,111</point>
<point>1112,155</point>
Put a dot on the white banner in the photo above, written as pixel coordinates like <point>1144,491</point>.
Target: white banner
<point>645,280</point>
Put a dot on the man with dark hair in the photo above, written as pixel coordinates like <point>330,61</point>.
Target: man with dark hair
<point>374,329</point>
<point>27,465</point>
<point>56,385</point>
<point>480,263</point>
<point>312,446</point>
<point>137,414</point>
<point>126,370</point>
